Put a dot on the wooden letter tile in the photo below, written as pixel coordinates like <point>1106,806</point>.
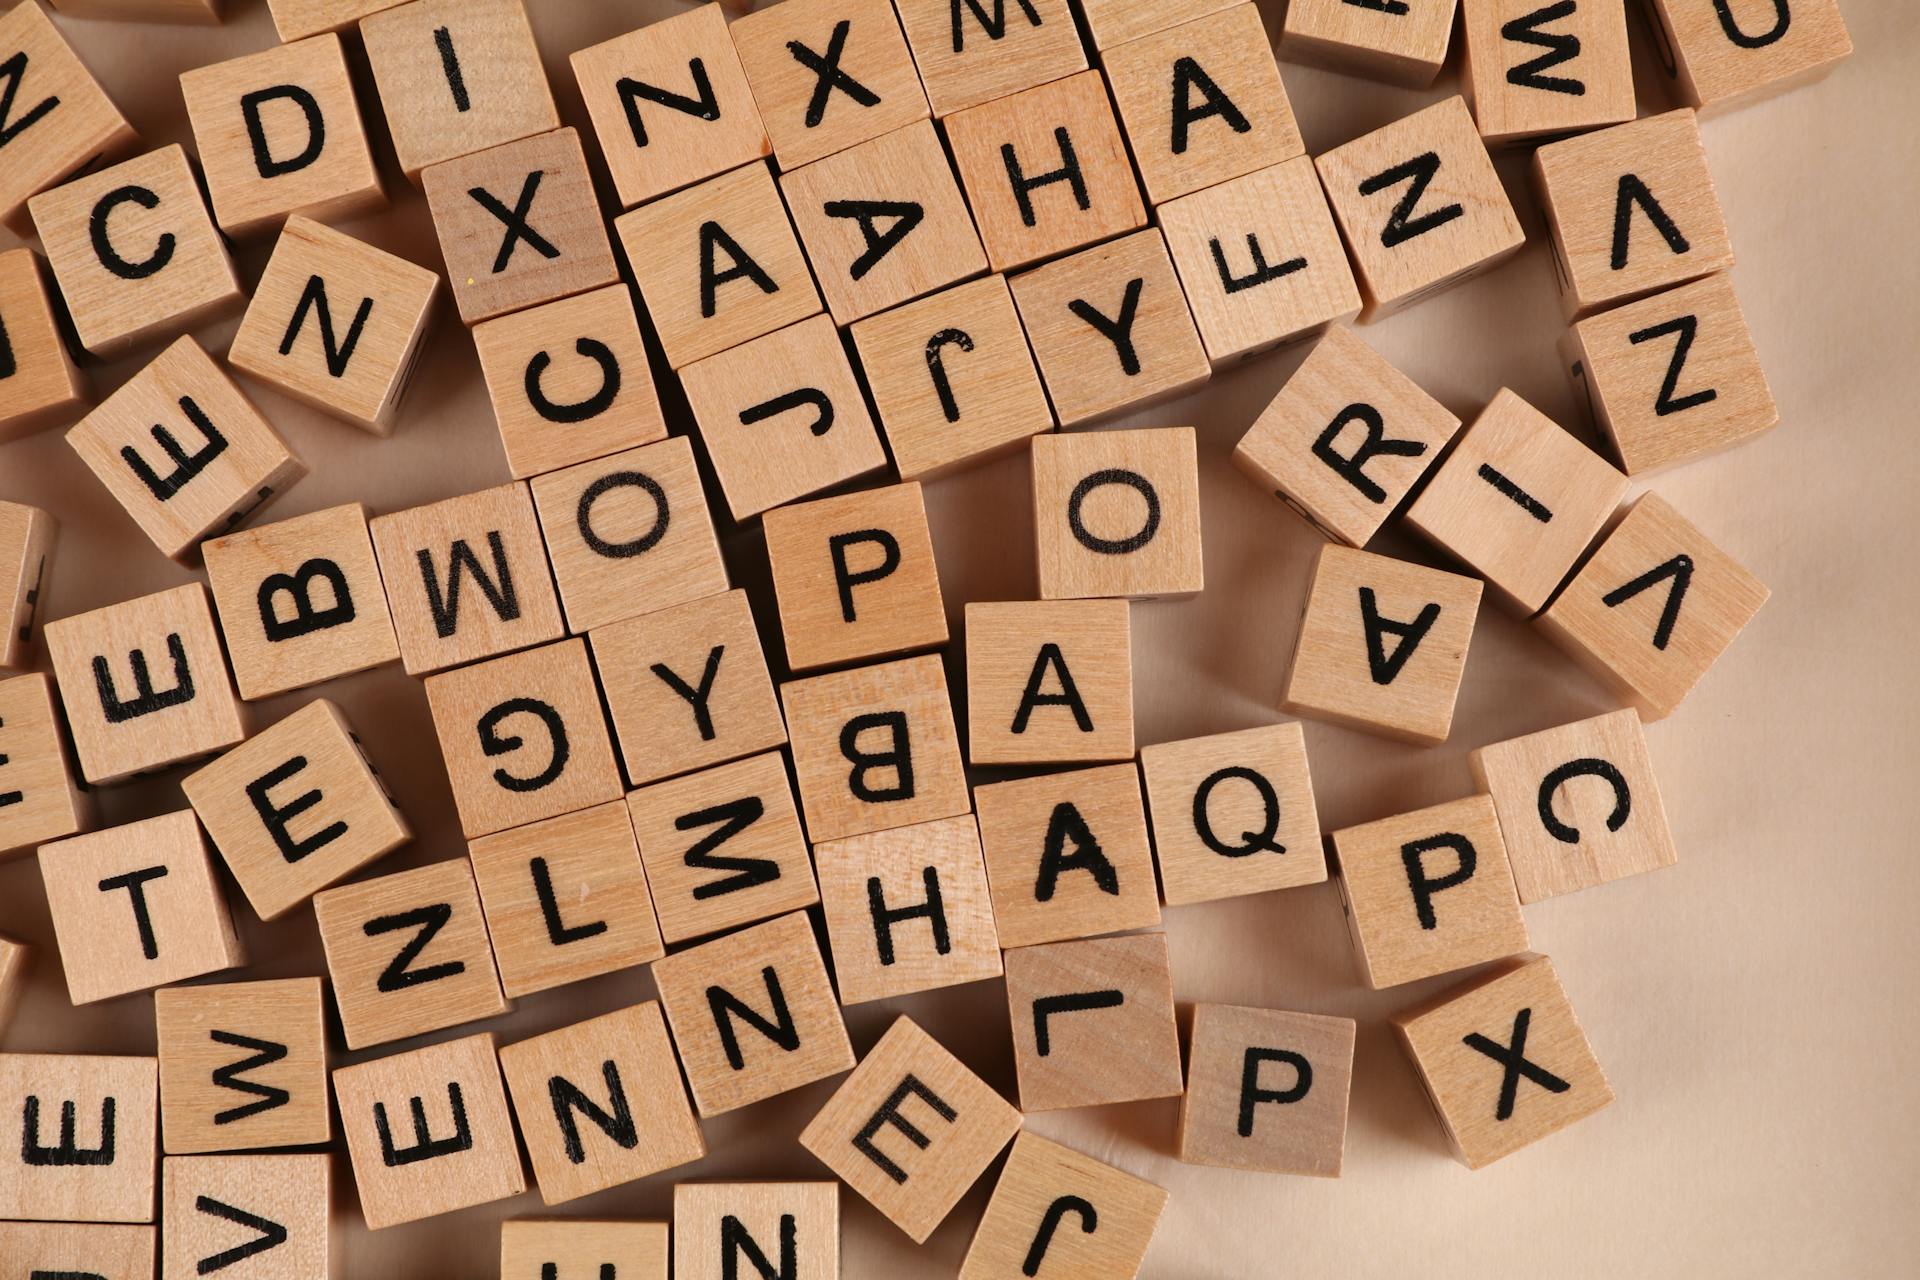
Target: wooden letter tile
<point>408,954</point>
<point>248,1217</point>
<point>721,1230</point>
<point>1504,1061</point>
<point>1113,22</point>
<point>970,55</point>
<point>29,1249</point>
<point>296,808</point>
<point>1066,1213</point>
<point>911,1129</point>
<point>1421,206</point>
<point>580,1144</point>
<point>86,1149</point>
<point>1049,682</point>
<point>874,748</point>
<point>1429,892</point>
<point>1401,44</point>
<point>1532,68</point>
<point>753,1014</point>
<point>1517,501</point>
<point>243,1066</point>
<point>1723,56</point>
<point>429,1132</point>
<point>59,120</point>
<point>580,1249</point>
<point>298,19</point>
<point>1093,1022</point>
<point>1117,513</point>
<point>1654,608</point>
<point>39,800</point>
<point>1233,814</point>
<point>28,536</point>
<point>15,956</point>
<point>39,385</point>
<point>1267,1090</point>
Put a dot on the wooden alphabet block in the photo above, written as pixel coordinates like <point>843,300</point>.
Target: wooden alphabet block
<point>1672,377</point>
<point>1518,501</point>
<point>243,1066</point>
<point>564,1249</point>
<point>14,958</point>
<point>877,889</point>
<point>1403,44</point>
<point>1117,513</point>
<point>298,19</point>
<point>883,222</point>
<point>1420,205</point>
<point>1722,56</point>
<point>569,380</point>
<point>1654,608</point>
<point>1261,260</point>
<point>855,577</point>
<point>1112,22</point>
<point>566,899</point>
<point>427,554</point>
<point>1504,1060</point>
<point>911,1129</point>
<point>952,378</point>
<point>970,55</point>
<point>1093,1022</point>
<point>1267,1090</point>
<point>28,536</point>
<point>1303,446</point>
<point>461,1150</point>
<point>86,1151</point>
<point>39,800</point>
<point>629,534</point>
<point>248,1217</point>
<point>1428,892</point>
<point>1533,69</point>
<point>296,808</point>
<point>29,1249</point>
<point>519,225</point>
<point>717,264</point>
<point>1045,171</point>
<point>753,1014</point>
<point>874,748</point>
<point>782,417</point>
<point>1382,645</point>
<point>39,385</point>
<point>408,954</point>
<point>524,737</point>
<point>59,119</point>
<point>1049,682</point>
<point>355,369</point>
<point>1233,814</point>
<point>688,687</point>
<point>721,1229</point>
<point>557,1081</point>
<point>456,77</point>
<point>1632,210</point>
<point>1056,1209</point>
<point>1202,102</point>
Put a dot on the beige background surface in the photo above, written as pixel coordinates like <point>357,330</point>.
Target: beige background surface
<point>1754,1007</point>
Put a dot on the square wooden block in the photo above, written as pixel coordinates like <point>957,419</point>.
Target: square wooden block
<point>268,1217</point>
<point>1233,814</point>
<point>1261,260</point>
<point>1420,205</point>
<point>883,222</point>
<point>971,54</point>
<point>86,1151</point>
<point>429,1132</point>
<point>243,1065</point>
<point>1672,377</point>
<point>408,954</point>
<point>1533,69</point>
<point>1402,44</point>
<point>535,1250</point>
<point>670,104</point>
<point>952,378</point>
<point>1654,608</point>
<point>456,77</point>
<point>688,687</point>
<point>875,748</point>
<point>1722,56</point>
<point>28,537</point>
<point>911,1129</point>
<point>482,550</point>
<point>337,324</point>
<point>524,737</point>
<point>828,74</point>
<point>1382,645</point>
<point>1505,1061</point>
<point>296,808</point>
<point>1049,682</point>
<point>29,1249</point>
<point>1093,1022</point>
<point>1112,22</point>
<point>722,1230</point>
<point>1429,892</point>
<point>753,1014</point>
<point>298,19</point>
<point>855,577</point>
<point>15,958</point>
<point>1518,501</point>
<point>231,465</point>
<point>566,899</point>
<point>580,1144</point>
<point>1632,210</point>
<point>1117,513</point>
<point>1046,171</point>
<point>1054,1208</point>
<point>43,388</point>
<point>722,847</point>
<point>1267,1090</point>
<point>39,798</point>
<point>62,120</point>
